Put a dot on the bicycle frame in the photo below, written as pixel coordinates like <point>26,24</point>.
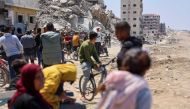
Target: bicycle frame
<point>103,73</point>
<point>3,66</point>
<point>93,88</point>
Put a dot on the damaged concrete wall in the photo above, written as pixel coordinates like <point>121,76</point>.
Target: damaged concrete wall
<point>76,14</point>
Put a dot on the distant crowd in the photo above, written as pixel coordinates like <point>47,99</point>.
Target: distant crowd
<point>42,86</point>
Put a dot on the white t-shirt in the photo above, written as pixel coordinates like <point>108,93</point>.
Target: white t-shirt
<point>99,38</point>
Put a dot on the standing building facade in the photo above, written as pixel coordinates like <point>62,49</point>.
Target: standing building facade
<point>19,13</point>
<point>151,25</point>
<point>131,11</point>
<point>162,29</point>
<point>96,1</point>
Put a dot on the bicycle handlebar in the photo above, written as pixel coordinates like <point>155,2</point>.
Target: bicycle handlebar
<point>111,61</point>
<point>70,62</point>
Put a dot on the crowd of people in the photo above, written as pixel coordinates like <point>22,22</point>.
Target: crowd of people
<point>42,87</point>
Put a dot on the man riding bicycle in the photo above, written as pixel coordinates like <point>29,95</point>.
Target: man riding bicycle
<point>86,51</point>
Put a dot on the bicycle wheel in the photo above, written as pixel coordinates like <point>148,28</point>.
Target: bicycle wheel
<point>90,92</point>
<point>75,55</point>
<point>3,77</point>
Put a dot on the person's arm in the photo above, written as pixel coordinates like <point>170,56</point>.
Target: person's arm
<point>61,42</point>
<point>19,45</point>
<point>87,55</point>
<point>41,44</point>
<point>34,43</point>
<point>1,42</point>
<point>144,99</point>
<point>32,104</point>
<point>50,88</point>
<point>78,40</point>
<point>95,55</point>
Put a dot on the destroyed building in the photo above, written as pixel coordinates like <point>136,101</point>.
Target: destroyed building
<point>79,15</point>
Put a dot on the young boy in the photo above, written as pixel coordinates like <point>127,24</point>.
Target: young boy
<point>17,65</point>
<point>86,51</point>
<point>122,31</point>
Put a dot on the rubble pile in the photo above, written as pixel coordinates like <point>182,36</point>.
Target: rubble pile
<point>77,15</point>
<point>162,39</point>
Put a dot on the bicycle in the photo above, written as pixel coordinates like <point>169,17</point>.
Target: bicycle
<point>90,92</point>
<point>75,54</point>
<point>4,73</point>
<point>67,54</point>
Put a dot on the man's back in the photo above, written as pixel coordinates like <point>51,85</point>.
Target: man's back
<point>11,44</point>
<point>76,40</point>
<point>51,48</point>
<point>28,41</point>
<point>99,37</point>
<point>38,40</point>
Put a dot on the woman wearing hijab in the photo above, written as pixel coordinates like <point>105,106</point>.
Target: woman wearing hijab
<point>127,88</point>
<point>27,95</point>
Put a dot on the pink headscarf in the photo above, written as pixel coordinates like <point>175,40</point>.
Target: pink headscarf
<point>122,89</point>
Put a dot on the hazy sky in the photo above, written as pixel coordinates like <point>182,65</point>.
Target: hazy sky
<point>175,13</point>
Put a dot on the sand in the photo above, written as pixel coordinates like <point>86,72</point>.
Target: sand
<point>168,78</point>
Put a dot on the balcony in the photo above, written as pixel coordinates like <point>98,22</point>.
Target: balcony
<point>2,4</point>
<point>33,4</point>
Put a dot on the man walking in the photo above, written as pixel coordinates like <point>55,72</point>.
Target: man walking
<point>29,44</point>
<point>51,43</point>
<point>38,46</point>
<point>76,41</point>
<point>13,48</point>
<point>98,41</point>
<point>122,31</point>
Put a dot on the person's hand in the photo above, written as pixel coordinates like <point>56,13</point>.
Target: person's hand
<point>69,100</point>
<point>97,66</point>
<point>22,52</point>
<point>63,96</point>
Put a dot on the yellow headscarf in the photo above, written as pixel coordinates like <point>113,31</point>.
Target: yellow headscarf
<point>68,71</point>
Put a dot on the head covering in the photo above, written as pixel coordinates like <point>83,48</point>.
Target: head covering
<point>122,89</point>
<point>26,83</point>
<point>68,72</point>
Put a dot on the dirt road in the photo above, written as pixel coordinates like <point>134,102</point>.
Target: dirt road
<point>168,78</point>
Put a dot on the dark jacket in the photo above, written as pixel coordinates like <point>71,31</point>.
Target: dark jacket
<point>26,101</point>
<point>132,42</point>
<point>38,40</point>
<point>28,41</point>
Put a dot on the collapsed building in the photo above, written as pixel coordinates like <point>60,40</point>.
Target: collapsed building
<point>78,15</point>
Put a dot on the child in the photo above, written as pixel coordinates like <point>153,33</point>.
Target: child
<point>127,88</point>
<point>17,65</point>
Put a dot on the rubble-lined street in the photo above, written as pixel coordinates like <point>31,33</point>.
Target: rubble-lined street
<point>168,78</point>
<point>50,32</point>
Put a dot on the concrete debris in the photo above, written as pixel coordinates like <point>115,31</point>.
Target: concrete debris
<point>77,10</point>
<point>79,15</point>
<point>100,15</point>
<point>63,1</point>
<point>54,7</point>
<point>162,39</point>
